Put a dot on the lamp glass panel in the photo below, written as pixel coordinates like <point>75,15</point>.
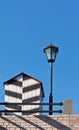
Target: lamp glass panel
<point>53,55</point>
<point>48,53</point>
<point>54,52</point>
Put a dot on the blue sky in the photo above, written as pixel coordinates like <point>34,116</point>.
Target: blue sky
<point>26,27</point>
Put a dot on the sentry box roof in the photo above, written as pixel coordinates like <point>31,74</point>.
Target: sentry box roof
<point>25,76</point>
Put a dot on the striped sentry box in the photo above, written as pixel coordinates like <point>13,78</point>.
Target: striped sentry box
<point>23,88</point>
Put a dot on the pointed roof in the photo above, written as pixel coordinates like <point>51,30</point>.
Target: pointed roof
<point>28,76</point>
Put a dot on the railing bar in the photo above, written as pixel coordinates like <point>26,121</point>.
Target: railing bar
<point>59,104</point>
<point>32,111</point>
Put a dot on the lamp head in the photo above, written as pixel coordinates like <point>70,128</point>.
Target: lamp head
<point>51,51</point>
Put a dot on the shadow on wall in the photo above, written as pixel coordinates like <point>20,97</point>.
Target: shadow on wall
<point>11,122</point>
<point>27,122</point>
<point>19,125</point>
<point>53,123</point>
<point>2,128</point>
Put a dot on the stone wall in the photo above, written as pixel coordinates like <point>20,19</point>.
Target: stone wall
<point>42,122</point>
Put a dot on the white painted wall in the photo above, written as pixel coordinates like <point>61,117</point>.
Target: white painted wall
<point>13,88</point>
<point>29,82</point>
<point>31,94</point>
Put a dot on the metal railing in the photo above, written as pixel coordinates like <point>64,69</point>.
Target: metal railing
<point>32,111</point>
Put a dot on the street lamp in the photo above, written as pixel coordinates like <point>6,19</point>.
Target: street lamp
<point>51,52</point>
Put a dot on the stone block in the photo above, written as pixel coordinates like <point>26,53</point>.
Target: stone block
<point>68,107</point>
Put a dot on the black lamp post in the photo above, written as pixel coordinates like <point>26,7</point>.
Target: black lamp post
<point>51,52</point>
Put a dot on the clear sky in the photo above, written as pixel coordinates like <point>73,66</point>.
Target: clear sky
<point>26,27</point>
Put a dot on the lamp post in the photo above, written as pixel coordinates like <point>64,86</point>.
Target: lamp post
<point>51,52</point>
